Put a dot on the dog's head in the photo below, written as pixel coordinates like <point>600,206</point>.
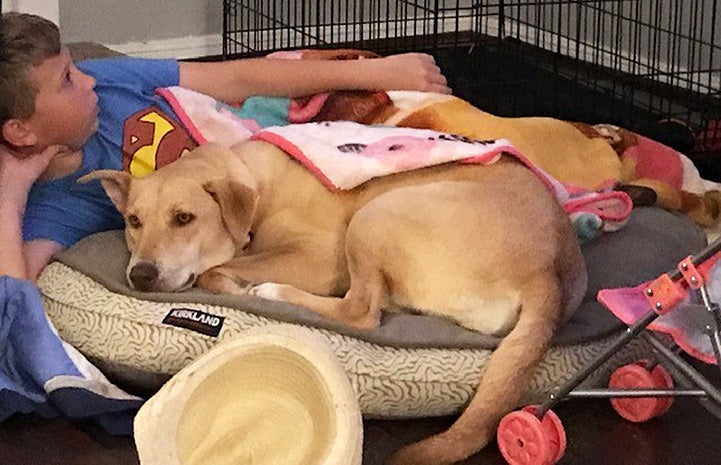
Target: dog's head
<point>183,219</point>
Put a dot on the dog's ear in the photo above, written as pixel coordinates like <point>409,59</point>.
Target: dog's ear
<point>116,184</point>
<point>238,203</point>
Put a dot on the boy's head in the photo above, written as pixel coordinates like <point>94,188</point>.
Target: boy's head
<point>44,98</point>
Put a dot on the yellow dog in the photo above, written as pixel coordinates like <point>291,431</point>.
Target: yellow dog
<point>486,246</point>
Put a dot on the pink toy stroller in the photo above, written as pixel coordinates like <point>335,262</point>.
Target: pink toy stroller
<point>680,304</point>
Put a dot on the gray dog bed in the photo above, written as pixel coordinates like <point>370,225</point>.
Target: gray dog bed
<point>413,365</point>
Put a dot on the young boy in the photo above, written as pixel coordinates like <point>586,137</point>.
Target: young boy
<point>59,121</point>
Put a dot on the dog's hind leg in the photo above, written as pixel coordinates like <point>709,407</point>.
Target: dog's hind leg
<point>360,307</point>
<point>502,383</point>
<point>367,293</point>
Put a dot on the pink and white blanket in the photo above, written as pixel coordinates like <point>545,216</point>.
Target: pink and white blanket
<point>345,154</point>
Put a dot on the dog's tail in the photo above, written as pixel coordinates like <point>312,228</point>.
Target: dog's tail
<point>503,382</point>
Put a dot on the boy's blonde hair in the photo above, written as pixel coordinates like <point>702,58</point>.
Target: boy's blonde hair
<point>25,41</point>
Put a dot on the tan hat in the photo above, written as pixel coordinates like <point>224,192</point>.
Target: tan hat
<point>276,396</point>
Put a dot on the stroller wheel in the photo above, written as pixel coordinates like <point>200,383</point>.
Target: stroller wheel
<point>525,440</point>
<point>662,380</point>
<point>635,375</point>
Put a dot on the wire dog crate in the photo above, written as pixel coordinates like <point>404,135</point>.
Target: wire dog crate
<point>647,65</point>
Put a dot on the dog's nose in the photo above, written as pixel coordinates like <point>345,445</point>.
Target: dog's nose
<point>143,275</point>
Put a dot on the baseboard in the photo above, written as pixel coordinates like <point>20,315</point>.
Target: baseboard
<point>179,47</point>
<point>212,44</point>
<point>361,34</point>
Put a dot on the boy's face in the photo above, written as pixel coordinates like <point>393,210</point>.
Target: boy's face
<point>66,106</point>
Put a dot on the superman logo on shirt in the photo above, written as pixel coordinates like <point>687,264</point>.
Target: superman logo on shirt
<point>151,140</point>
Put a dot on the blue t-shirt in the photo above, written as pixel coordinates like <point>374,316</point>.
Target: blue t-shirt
<point>134,123</point>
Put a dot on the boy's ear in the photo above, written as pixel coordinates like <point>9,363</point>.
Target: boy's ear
<point>116,185</point>
<point>18,132</point>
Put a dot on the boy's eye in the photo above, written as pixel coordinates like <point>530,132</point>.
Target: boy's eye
<point>183,218</point>
<point>133,221</point>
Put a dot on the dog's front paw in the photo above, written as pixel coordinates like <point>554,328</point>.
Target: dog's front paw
<point>218,283</point>
<point>270,291</point>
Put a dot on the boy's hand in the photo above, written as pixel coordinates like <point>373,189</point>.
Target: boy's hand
<point>411,71</point>
<point>18,171</point>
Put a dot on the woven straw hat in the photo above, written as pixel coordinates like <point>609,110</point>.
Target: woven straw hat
<point>276,396</point>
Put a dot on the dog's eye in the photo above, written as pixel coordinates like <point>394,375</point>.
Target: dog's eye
<point>133,221</point>
<point>183,218</point>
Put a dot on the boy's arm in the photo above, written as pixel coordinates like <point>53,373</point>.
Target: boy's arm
<point>12,261</point>
<point>235,80</point>
<point>17,174</point>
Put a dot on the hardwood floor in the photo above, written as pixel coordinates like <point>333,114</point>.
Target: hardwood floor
<point>686,435</point>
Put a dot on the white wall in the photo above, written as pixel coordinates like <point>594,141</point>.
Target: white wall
<point>49,9</point>
<point>174,28</point>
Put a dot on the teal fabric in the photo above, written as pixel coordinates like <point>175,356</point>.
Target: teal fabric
<point>267,111</point>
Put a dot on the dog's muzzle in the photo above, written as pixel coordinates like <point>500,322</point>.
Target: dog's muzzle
<point>145,277</point>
